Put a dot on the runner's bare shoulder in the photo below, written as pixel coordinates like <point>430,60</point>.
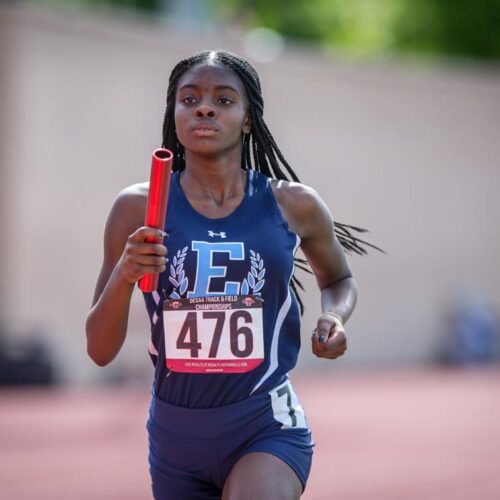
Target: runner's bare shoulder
<point>128,210</point>
<point>299,204</point>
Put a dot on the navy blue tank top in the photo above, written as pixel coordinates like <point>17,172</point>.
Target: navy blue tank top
<point>214,257</point>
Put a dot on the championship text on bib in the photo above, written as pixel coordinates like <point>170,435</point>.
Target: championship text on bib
<point>215,334</point>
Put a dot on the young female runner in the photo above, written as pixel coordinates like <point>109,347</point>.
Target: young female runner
<point>224,419</point>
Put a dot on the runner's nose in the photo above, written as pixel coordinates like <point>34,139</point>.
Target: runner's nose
<point>205,111</point>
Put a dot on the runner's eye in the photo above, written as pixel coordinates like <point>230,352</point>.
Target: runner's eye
<point>225,100</point>
<point>189,99</point>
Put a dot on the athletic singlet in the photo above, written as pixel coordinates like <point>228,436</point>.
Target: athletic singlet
<point>247,254</point>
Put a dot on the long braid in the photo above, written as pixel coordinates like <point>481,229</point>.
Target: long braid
<point>260,151</point>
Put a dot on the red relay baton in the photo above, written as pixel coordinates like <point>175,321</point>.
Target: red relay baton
<point>156,211</point>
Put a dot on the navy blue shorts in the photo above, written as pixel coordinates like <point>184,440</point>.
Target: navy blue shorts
<point>192,451</point>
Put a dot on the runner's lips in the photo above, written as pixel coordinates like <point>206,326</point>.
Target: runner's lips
<point>204,129</point>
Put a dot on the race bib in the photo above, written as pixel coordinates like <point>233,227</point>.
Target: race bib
<point>216,334</point>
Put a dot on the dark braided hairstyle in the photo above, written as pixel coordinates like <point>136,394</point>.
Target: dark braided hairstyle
<point>260,151</point>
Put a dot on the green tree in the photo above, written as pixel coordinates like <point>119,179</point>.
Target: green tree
<point>460,28</point>
<point>467,28</point>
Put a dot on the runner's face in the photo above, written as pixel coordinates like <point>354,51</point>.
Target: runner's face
<point>211,110</point>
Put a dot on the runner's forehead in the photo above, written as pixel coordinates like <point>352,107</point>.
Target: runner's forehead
<point>204,76</point>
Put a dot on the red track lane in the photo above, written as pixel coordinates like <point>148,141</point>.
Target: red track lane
<point>429,435</point>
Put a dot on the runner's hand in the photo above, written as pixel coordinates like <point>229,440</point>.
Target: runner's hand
<point>328,339</point>
<point>140,257</point>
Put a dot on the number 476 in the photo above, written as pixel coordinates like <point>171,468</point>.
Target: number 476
<point>188,336</point>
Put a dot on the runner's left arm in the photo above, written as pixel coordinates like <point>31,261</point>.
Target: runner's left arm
<point>333,275</point>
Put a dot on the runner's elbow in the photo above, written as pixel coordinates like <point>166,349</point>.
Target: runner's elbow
<point>97,356</point>
<point>98,359</point>
<point>95,350</point>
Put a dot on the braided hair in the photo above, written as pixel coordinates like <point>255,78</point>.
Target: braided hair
<point>260,151</point>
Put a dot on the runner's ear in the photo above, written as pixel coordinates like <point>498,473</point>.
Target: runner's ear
<point>247,124</point>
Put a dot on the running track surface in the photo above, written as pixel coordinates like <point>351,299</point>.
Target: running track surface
<point>419,435</point>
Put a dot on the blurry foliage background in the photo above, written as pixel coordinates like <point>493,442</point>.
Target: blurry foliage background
<point>360,28</point>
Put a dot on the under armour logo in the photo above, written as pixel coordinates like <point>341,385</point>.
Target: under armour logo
<point>212,234</point>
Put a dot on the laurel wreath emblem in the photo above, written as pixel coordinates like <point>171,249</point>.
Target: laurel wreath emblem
<point>251,285</point>
<point>178,276</point>
<point>255,280</point>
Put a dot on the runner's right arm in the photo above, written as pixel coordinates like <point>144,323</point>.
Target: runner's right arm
<point>127,257</point>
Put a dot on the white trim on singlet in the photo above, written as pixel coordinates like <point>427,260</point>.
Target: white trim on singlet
<point>273,352</point>
<point>154,319</point>
<point>250,182</point>
<point>156,299</point>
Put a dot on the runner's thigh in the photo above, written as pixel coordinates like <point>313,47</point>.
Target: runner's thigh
<point>263,476</point>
